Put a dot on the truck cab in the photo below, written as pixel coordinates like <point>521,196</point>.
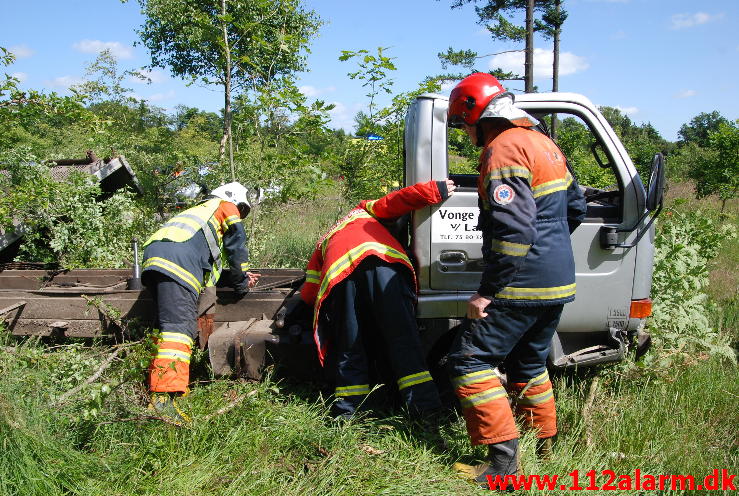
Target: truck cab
<point>613,247</point>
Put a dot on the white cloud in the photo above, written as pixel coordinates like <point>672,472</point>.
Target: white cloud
<point>20,76</point>
<point>118,49</point>
<point>158,97</point>
<point>682,21</point>
<point>64,82</point>
<point>21,51</point>
<point>627,110</point>
<point>312,91</point>
<point>569,63</point>
<point>308,90</point>
<point>685,93</point>
<point>448,86</point>
<point>342,117</point>
<point>155,75</point>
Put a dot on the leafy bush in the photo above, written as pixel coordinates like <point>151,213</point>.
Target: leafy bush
<point>681,328</point>
<point>67,222</point>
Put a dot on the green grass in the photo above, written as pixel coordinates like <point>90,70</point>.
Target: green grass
<point>284,235</point>
<point>281,441</point>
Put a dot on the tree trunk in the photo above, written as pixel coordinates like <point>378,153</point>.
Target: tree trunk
<point>555,64</point>
<point>529,61</point>
<point>227,99</point>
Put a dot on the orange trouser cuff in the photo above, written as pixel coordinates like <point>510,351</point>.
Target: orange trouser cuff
<point>536,407</point>
<point>487,412</point>
<point>169,372</point>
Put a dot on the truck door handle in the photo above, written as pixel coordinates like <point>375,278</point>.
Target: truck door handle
<point>453,258</point>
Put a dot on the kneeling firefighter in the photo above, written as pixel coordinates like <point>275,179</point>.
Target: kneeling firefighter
<point>362,288</point>
<point>181,259</point>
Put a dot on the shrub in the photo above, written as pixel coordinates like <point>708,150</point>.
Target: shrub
<point>681,328</point>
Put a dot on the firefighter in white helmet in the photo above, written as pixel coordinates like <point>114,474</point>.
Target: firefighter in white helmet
<point>181,259</point>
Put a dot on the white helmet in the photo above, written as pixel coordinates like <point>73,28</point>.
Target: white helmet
<point>232,192</point>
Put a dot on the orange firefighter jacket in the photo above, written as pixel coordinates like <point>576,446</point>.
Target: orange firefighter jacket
<point>359,235</point>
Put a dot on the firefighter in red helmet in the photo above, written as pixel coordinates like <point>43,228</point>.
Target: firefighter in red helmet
<point>529,205</point>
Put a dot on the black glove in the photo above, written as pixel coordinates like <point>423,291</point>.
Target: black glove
<point>240,293</point>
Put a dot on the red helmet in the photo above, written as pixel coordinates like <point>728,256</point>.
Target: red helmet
<point>470,97</point>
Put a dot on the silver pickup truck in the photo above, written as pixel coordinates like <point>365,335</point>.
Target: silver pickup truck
<point>613,248</point>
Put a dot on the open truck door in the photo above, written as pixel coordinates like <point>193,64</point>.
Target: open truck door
<point>613,247</point>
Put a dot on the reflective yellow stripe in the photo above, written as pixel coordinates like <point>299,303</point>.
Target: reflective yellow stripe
<point>183,226</point>
<point>355,214</point>
<point>413,379</point>
<point>474,377</point>
<point>218,229</point>
<point>508,248</point>
<point>176,337</point>
<point>312,276</point>
<point>569,179</point>
<point>245,266</point>
<point>370,207</point>
<point>536,399</point>
<point>355,253</point>
<point>174,355</point>
<point>175,270</point>
<point>506,172</point>
<point>352,390</point>
<point>231,220</point>
<point>539,379</point>
<point>483,397</point>
<point>550,187</point>
<point>536,381</point>
<point>537,293</point>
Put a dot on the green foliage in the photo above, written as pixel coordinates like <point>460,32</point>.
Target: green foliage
<point>686,243</point>
<point>66,222</point>
<point>642,142</point>
<point>265,38</point>
<point>279,439</point>
<point>575,140</point>
<point>9,84</point>
<point>374,71</point>
<point>716,169</point>
<point>698,130</point>
<point>497,16</point>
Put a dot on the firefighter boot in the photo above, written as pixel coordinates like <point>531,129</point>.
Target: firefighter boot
<point>165,406</point>
<point>544,448</point>
<point>501,460</point>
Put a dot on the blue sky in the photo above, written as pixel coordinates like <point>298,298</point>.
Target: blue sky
<point>659,61</point>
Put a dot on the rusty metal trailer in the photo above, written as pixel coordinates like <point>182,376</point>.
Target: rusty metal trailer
<point>96,303</point>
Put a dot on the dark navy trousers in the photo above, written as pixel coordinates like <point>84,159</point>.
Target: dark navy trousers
<point>371,316</point>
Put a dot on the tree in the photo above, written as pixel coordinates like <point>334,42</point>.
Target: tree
<point>700,127</point>
<point>641,141</point>
<point>240,45</point>
<point>718,171</point>
<point>497,15</point>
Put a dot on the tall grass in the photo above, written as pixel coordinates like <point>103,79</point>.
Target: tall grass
<point>281,441</point>
<point>285,234</point>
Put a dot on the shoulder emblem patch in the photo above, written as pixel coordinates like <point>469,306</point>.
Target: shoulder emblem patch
<point>503,194</point>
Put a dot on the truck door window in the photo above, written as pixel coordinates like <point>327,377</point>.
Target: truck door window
<point>588,159</point>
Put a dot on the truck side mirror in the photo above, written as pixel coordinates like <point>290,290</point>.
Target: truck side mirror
<point>656,188</point>
<point>655,197</point>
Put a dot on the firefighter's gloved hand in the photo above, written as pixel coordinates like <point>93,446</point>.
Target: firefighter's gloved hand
<point>240,293</point>
<point>300,312</point>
